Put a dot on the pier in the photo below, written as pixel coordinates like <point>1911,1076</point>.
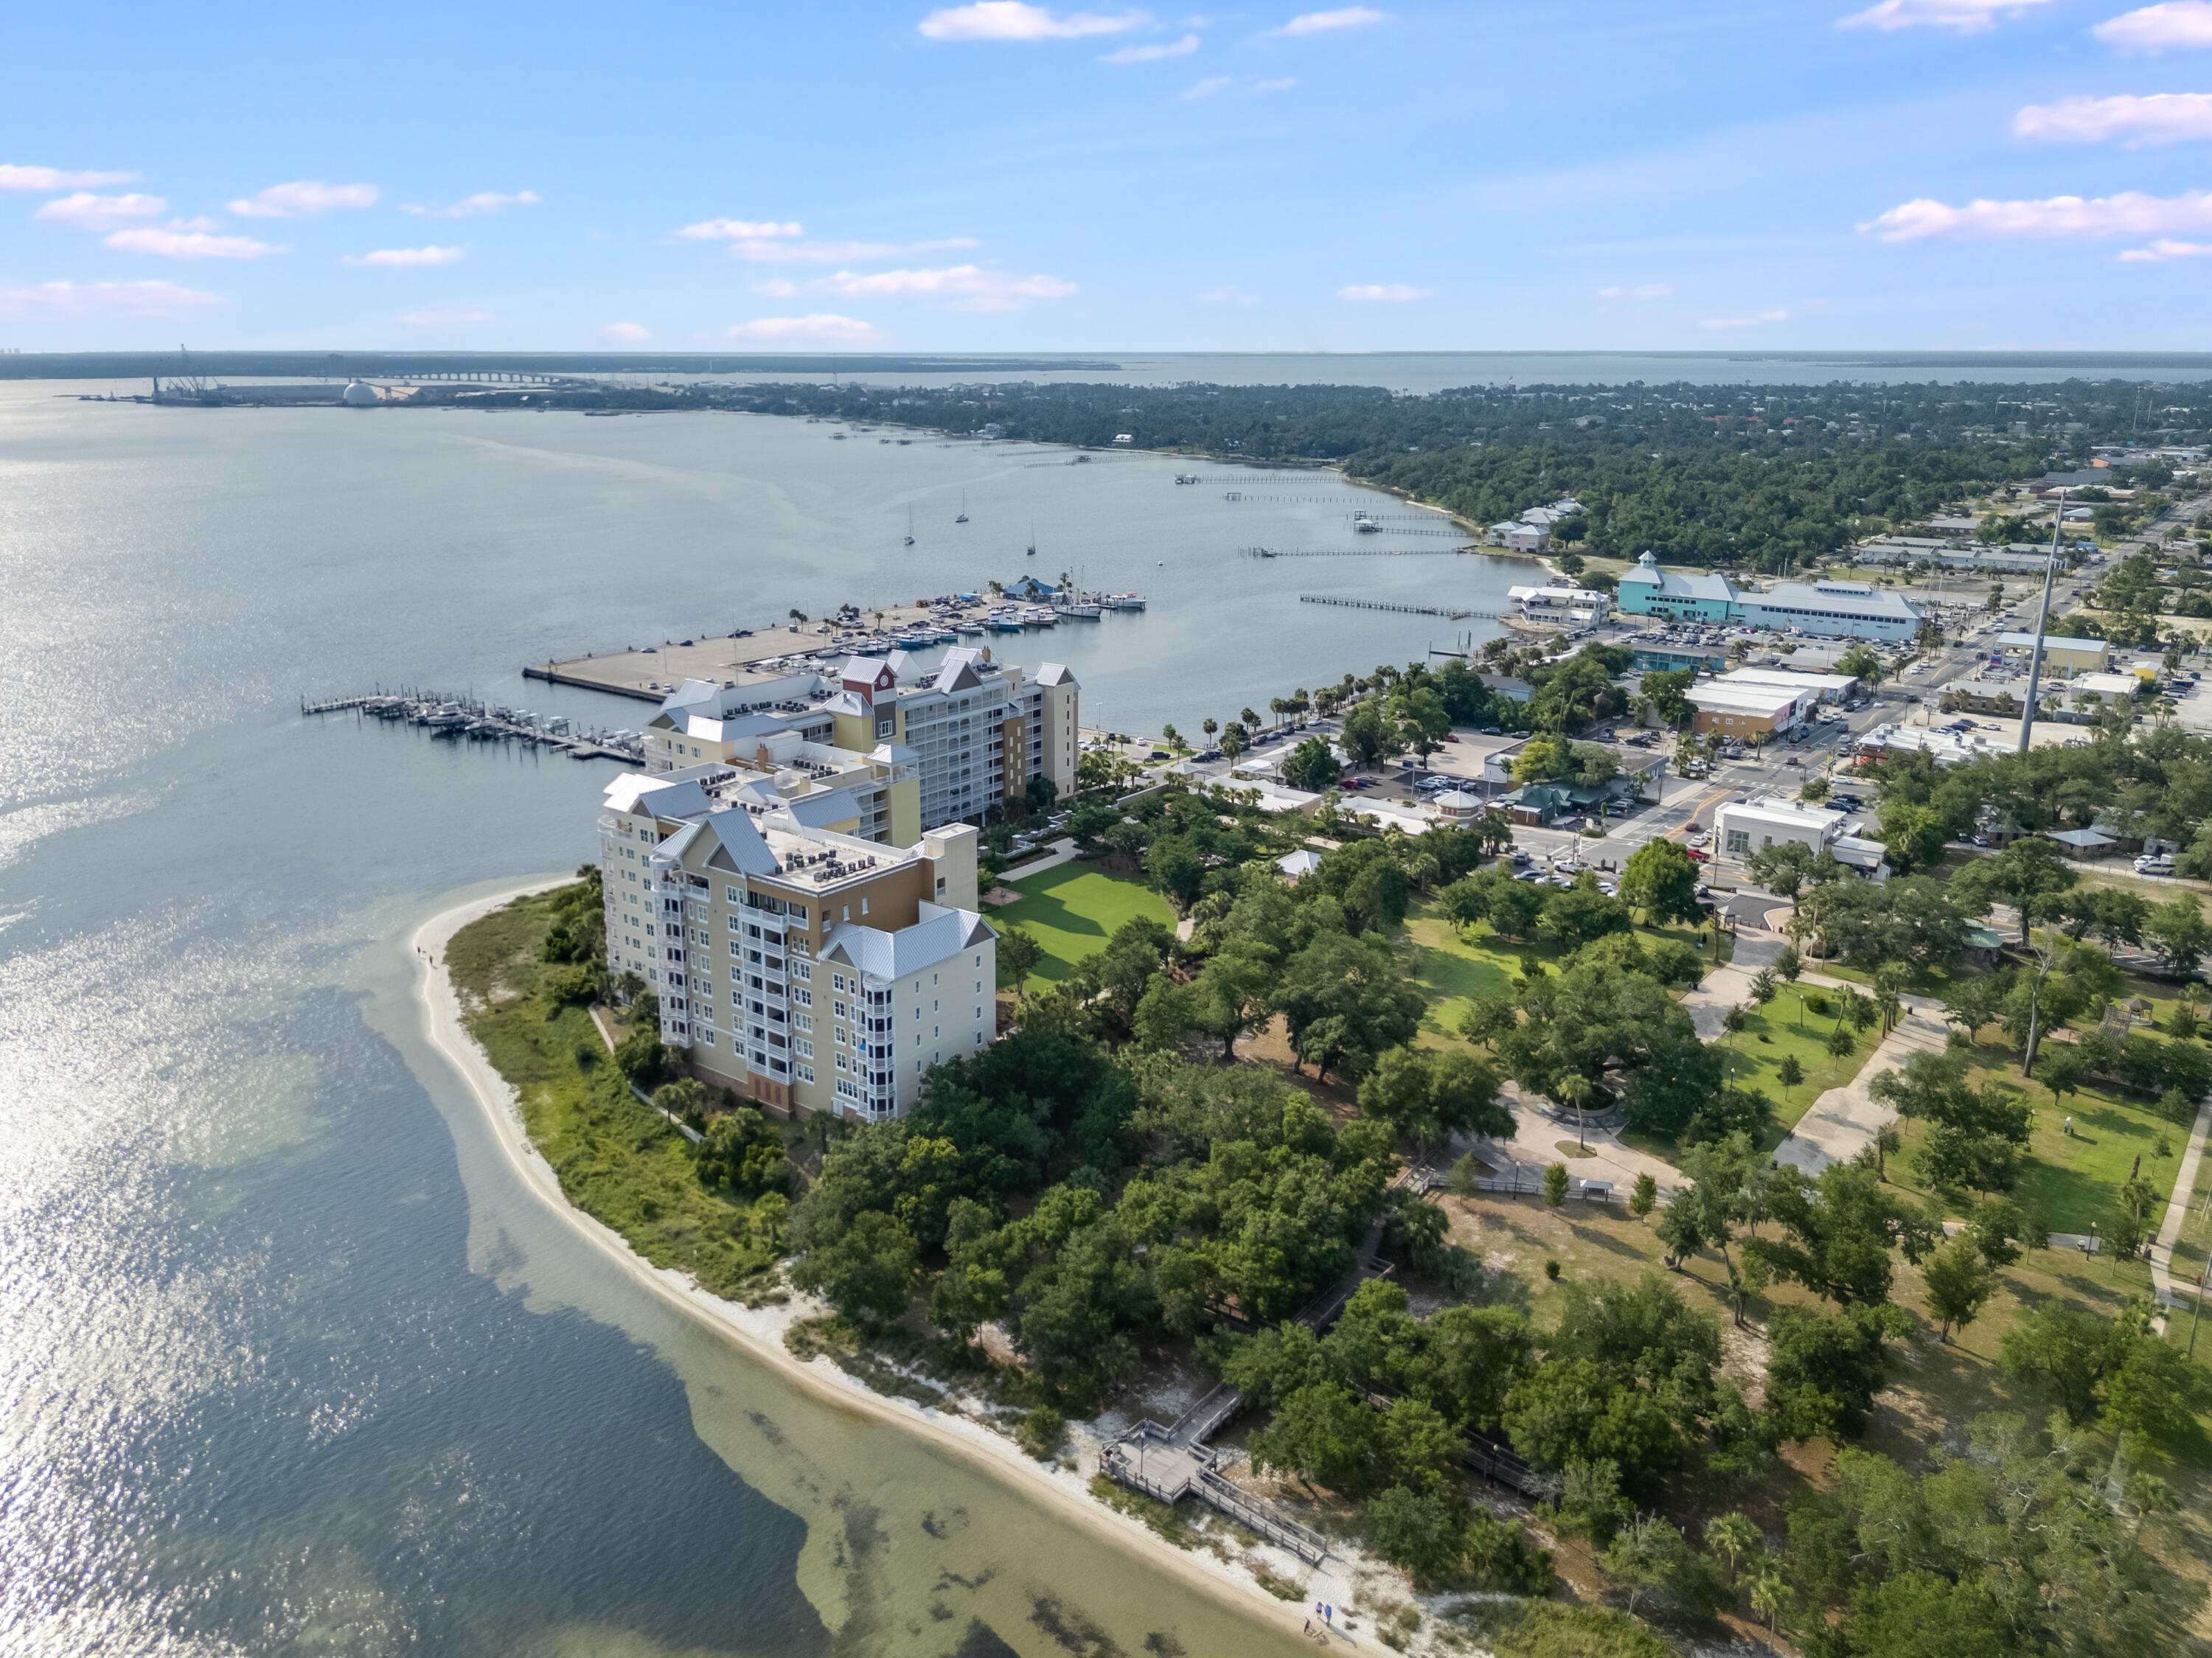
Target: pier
<point>1452,613</point>
<point>463,718</point>
<point>1354,552</point>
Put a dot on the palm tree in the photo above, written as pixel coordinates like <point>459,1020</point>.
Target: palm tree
<point>1768,1593</point>
<point>1887,1140</point>
<point>1574,1090</point>
<point>1732,1535</point>
<point>1249,717</point>
<point>1209,726</point>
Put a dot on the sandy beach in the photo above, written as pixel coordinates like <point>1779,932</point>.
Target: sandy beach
<point>759,1331</point>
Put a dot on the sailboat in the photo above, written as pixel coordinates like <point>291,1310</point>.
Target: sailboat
<point>909,524</point>
<point>963,518</point>
<point>1031,549</point>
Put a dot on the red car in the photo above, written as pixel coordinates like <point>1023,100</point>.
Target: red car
<point>1697,856</point>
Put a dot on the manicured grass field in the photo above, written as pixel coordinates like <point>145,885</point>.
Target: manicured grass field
<point>1755,1054</point>
<point>2073,1182</point>
<point>1073,910</point>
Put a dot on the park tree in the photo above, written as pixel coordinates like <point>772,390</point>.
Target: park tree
<point>1839,1228</point>
<point>2030,874</point>
<point>1785,868</point>
<point>1370,735</point>
<point>741,1149</point>
<point>1019,955</point>
<point>1958,1281</point>
<point>2180,933</point>
<point>1823,1370</point>
<point>1427,1096</point>
<point>1660,880</point>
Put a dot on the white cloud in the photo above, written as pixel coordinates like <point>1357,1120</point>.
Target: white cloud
<point>1964,16</point>
<point>407,256</point>
<point>201,222</point>
<point>1228,294</point>
<point>1247,87</point>
<point>189,245</point>
<point>968,286</point>
<point>763,252</point>
<point>1011,20</point>
<point>729,230</point>
<point>468,207</point>
<point>2183,23</point>
<point>2164,249</point>
<point>1753,319</point>
<point>822,326</point>
<point>86,211</point>
<point>92,301</point>
<point>53,178</point>
<point>1639,291</point>
<point>303,199</point>
<point>1384,293</point>
<point>629,333</point>
<point>444,317</point>
<point>2160,117</point>
<point>1153,54</point>
<point>2129,214</point>
<point>1321,23</point>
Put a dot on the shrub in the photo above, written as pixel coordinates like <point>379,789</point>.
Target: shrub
<point>1042,1432</point>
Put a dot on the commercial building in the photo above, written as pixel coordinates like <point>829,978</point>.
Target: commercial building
<point>1945,748</point>
<point>805,969</point>
<point>1751,710</point>
<point>1821,687</point>
<point>1672,659</point>
<point>909,745</point>
<point>1647,590</point>
<point>1835,610</point>
<point>1740,829</point>
<point>2063,656</point>
<point>1563,604</point>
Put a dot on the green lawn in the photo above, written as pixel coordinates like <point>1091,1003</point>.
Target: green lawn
<point>2073,1182</point>
<point>1456,970</point>
<point>1782,1027</point>
<point>1073,909</point>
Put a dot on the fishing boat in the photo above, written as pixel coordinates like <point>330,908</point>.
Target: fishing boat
<point>1127,601</point>
<point>1364,524</point>
<point>1082,609</point>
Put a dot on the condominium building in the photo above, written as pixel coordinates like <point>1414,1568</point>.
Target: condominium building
<point>966,735</point>
<point>805,968</point>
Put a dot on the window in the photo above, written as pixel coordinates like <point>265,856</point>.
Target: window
<point>843,1064</point>
<point>804,998</point>
<point>802,969</point>
<point>1739,840</point>
<point>707,1035</point>
<point>864,906</point>
<point>803,1048</point>
<point>806,1073</point>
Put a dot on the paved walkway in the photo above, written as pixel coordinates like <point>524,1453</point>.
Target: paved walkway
<point>1841,1123</point>
<point>2177,1209</point>
<point>1534,1146</point>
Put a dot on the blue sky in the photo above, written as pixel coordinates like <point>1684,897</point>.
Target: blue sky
<point>1005,177</point>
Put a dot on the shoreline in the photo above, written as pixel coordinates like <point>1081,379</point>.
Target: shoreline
<point>758,1332</point>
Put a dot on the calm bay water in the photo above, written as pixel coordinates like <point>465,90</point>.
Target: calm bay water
<point>291,1364</point>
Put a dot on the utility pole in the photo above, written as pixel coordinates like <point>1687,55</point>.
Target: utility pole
<point>2042,622</point>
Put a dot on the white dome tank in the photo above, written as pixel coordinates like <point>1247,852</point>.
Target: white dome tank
<point>358,395</point>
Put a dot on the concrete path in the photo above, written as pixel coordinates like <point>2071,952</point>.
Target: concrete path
<point>2177,1210</point>
<point>1534,1146</point>
<point>1841,1123</point>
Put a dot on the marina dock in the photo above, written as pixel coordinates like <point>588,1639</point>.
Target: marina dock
<point>649,672</point>
<point>464,719</point>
